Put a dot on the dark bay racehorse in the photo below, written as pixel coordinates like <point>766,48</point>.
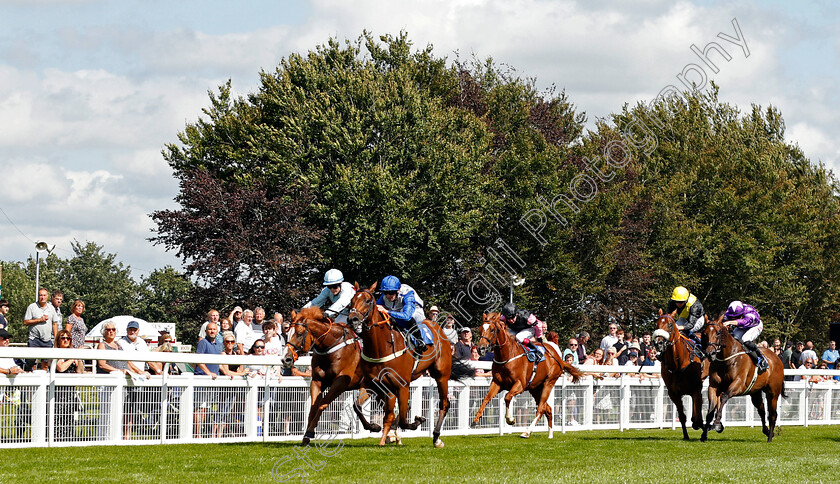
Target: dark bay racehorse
<point>389,366</point>
<point>732,373</point>
<point>682,370</point>
<point>335,363</point>
<point>515,374</point>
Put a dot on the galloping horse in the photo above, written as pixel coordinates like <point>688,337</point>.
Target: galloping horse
<point>732,373</point>
<point>682,371</point>
<point>335,363</point>
<point>516,374</point>
<point>389,366</point>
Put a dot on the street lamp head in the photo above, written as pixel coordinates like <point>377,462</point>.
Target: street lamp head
<point>518,281</point>
<point>41,246</point>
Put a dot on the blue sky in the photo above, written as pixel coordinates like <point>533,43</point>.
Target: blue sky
<point>91,91</point>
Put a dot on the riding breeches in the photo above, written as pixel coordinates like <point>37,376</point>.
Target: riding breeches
<point>528,332</point>
<point>687,328</point>
<point>747,334</point>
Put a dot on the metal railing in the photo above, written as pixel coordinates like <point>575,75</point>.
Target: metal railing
<point>58,409</point>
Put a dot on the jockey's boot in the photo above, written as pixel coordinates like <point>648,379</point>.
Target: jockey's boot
<point>759,360</point>
<point>697,348</point>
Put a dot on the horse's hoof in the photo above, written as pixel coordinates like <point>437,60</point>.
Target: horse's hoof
<point>703,438</point>
<point>525,435</point>
<point>473,423</point>
<point>304,442</point>
<point>510,421</point>
<point>766,431</point>
<point>438,444</point>
<point>719,428</point>
<point>375,428</point>
<point>419,419</point>
<point>550,435</point>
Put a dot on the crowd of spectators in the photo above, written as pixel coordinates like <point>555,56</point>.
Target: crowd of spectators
<point>246,331</point>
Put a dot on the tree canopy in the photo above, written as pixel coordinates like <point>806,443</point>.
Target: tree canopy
<point>377,158</point>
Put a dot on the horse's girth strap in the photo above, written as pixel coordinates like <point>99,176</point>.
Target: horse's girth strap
<point>385,359</point>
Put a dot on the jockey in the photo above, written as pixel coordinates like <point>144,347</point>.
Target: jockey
<point>404,306</point>
<point>690,313</point>
<point>748,326</point>
<point>524,324</point>
<point>336,295</point>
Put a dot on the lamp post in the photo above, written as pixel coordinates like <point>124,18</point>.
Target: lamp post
<point>515,281</point>
<point>39,247</point>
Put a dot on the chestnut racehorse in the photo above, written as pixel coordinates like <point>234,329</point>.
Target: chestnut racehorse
<point>515,374</point>
<point>732,373</point>
<point>682,370</point>
<point>335,363</point>
<point>389,366</point>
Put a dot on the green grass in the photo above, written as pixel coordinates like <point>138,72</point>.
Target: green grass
<point>737,455</point>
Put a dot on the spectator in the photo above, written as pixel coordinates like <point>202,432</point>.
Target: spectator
<point>764,344</point>
<point>583,340</point>
<point>632,357</point>
<point>259,319</point>
<point>224,325</point>
<point>553,337</point>
<point>449,330</point>
<point>572,350</point>
<point>645,345</point>
<point>76,325</point>
<point>230,407</point>
<point>65,396</point>
<point>205,398</point>
<point>807,364</point>
<point>212,317</point>
<point>7,365</point>
<point>40,317</point>
<point>464,345</point>
<point>610,339</point>
<point>809,345</point>
<point>474,357</point>
<point>596,358</point>
<point>830,356</point>
<point>245,336</point>
<point>796,355</point>
<point>274,345</point>
<point>135,396</point>
<point>107,343</point>
<point>434,312</point>
<point>56,300</point>
<point>652,360</point>
<point>4,310</point>
<point>620,347</point>
<point>777,347</point>
<point>787,358</point>
<point>235,316</point>
<point>809,354</point>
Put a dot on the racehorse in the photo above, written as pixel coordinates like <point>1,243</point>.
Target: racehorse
<point>732,373</point>
<point>335,363</point>
<point>389,366</point>
<point>682,371</point>
<point>515,374</point>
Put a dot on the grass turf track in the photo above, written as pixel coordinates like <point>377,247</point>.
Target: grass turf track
<point>739,454</point>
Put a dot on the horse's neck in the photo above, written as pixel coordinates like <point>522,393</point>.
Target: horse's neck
<point>679,349</point>
<point>730,344</point>
<point>509,347</point>
<point>325,337</point>
<point>378,338</point>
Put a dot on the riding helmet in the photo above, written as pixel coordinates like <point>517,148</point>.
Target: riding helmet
<point>680,294</point>
<point>509,310</point>
<point>333,276</point>
<point>391,283</point>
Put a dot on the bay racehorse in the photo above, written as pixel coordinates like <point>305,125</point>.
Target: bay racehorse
<point>682,371</point>
<point>335,363</point>
<point>389,366</point>
<point>515,374</point>
<point>732,373</point>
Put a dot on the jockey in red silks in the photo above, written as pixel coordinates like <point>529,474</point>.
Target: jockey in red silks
<point>748,326</point>
<point>524,325</point>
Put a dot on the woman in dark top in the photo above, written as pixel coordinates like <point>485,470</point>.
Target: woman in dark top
<point>65,396</point>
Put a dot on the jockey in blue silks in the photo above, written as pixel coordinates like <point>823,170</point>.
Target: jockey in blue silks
<point>404,307</point>
<point>748,326</point>
<point>335,298</point>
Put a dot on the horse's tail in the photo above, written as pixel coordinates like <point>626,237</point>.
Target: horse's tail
<point>570,369</point>
<point>461,371</point>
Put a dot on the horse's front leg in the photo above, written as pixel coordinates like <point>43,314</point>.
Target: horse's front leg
<point>388,418</point>
<point>515,390</point>
<point>491,393</point>
<point>714,401</point>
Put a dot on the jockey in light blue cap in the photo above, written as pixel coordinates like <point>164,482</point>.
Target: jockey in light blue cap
<point>404,306</point>
<point>336,296</point>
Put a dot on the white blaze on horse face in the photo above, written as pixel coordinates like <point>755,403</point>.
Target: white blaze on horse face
<point>485,326</point>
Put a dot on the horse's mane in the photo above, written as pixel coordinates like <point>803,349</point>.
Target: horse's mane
<point>312,312</point>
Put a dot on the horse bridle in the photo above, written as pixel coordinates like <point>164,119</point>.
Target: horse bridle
<point>713,356</point>
<point>299,349</point>
<point>366,318</point>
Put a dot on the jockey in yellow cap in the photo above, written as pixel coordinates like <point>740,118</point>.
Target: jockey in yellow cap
<point>690,314</point>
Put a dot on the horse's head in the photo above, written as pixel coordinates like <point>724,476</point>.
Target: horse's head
<point>299,337</point>
<point>362,307</point>
<point>714,338</point>
<point>666,329</point>
<point>491,328</point>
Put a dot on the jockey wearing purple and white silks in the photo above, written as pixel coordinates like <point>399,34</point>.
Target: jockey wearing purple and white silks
<point>746,320</point>
<point>748,326</point>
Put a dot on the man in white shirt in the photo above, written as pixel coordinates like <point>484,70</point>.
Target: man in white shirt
<point>40,317</point>
<point>611,338</point>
